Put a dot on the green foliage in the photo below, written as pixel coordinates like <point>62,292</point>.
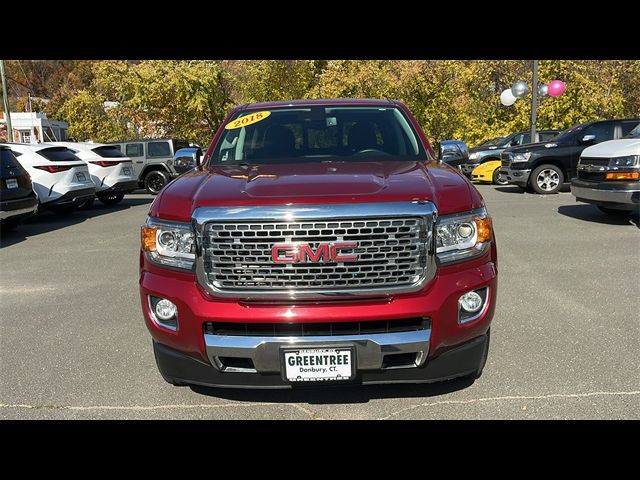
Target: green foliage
<point>188,99</point>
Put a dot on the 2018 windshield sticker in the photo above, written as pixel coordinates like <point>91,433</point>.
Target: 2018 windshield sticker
<point>247,120</point>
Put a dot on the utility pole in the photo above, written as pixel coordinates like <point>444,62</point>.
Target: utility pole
<point>5,96</point>
<point>534,101</point>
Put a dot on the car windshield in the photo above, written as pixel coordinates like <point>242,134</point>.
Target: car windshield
<point>635,133</point>
<point>492,142</point>
<point>318,134</point>
<point>568,133</point>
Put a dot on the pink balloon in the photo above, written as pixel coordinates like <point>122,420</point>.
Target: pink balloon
<point>555,88</point>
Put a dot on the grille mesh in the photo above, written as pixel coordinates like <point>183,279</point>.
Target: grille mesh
<point>391,252</point>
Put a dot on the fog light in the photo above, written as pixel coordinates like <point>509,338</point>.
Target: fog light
<point>165,310</point>
<point>470,302</point>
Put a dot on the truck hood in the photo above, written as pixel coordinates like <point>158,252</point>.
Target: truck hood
<point>532,147</point>
<point>316,183</point>
<point>614,148</point>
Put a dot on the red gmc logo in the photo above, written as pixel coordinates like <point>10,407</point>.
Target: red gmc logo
<point>325,253</point>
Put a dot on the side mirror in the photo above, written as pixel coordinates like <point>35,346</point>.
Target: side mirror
<point>187,158</point>
<point>587,139</point>
<point>453,152</point>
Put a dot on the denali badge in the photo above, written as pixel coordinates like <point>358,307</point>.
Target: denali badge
<point>325,253</point>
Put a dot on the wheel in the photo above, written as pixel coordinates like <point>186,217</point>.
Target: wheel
<point>478,373</point>
<point>498,179</point>
<point>613,211</point>
<point>111,199</point>
<point>546,179</point>
<point>155,181</point>
<point>86,205</point>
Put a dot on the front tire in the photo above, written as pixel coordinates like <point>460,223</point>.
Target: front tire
<point>497,179</point>
<point>546,179</point>
<point>155,181</point>
<point>111,199</point>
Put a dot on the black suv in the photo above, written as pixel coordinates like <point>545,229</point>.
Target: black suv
<point>17,199</point>
<point>491,149</point>
<point>544,167</point>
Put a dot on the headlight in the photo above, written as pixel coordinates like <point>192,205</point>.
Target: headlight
<point>628,161</point>
<point>463,236</point>
<point>521,157</point>
<point>169,243</point>
<point>474,155</point>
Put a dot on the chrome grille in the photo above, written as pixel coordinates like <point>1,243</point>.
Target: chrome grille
<point>596,162</point>
<point>391,252</point>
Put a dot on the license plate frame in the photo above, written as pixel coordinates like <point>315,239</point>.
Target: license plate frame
<point>285,352</point>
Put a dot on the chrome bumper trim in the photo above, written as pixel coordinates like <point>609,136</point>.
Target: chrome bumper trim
<point>265,351</point>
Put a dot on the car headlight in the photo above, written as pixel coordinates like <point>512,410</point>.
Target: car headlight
<point>628,161</point>
<point>474,155</point>
<point>463,236</point>
<point>168,243</point>
<point>521,157</point>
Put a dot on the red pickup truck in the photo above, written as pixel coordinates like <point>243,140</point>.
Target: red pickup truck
<point>319,242</point>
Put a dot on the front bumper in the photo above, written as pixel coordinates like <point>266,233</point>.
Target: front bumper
<point>189,355</point>
<point>467,168</point>
<point>460,361</point>
<point>19,208</point>
<point>623,195</point>
<point>516,176</point>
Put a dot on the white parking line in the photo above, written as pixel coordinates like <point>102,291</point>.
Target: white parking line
<point>509,397</point>
<point>311,413</point>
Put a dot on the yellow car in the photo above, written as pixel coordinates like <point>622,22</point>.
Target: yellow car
<point>488,172</point>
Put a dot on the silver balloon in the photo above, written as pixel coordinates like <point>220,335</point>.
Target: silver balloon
<point>519,89</point>
<point>543,90</point>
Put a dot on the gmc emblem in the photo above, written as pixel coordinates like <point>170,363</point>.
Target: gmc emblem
<point>325,253</point>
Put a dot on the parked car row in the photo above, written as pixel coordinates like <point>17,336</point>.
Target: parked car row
<point>600,159</point>
<point>64,176</point>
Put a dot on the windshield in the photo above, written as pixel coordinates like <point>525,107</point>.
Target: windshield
<point>314,134</point>
<point>635,133</point>
<point>568,133</point>
<point>492,142</point>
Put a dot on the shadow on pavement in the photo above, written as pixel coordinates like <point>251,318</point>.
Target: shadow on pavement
<point>47,221</point>
<point>510,189</point>
<point>336,393</point>
<point>591,213</point>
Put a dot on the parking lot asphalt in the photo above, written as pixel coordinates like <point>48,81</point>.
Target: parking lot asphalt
<point>565,337</point>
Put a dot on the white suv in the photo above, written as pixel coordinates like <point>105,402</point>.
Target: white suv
<point>60,179</point>
<point>112,173</point>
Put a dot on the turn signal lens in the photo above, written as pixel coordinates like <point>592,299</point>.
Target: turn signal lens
<point>484,229</point>
<point>622,176</point>
<point>148,238</point>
